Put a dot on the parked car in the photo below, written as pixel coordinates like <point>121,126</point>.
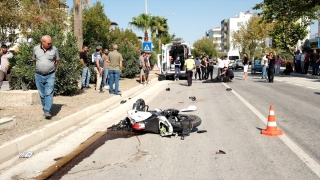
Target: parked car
<point>237,64</point>
<point>230,64</point>
<point>256,66</point>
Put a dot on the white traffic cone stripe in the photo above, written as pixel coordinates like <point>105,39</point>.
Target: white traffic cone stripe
<point>273,124</point>
<point>271,112</point>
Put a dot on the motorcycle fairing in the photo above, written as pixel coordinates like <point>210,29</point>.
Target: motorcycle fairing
<point>137,116</point>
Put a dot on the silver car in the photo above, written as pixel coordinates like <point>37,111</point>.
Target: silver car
<point>237,64</point>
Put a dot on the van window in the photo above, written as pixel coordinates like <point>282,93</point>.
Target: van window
<point>233,57</point>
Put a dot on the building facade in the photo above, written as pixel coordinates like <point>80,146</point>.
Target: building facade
<point>215,34</point>
<point>229,26</point>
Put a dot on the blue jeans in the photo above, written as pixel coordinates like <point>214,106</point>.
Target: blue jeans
<point>45,86</point>
<point>105,79</point>
<point>264,71</point>
<point>114,76</point>
<point>85,77</point>
<point>315,68</point>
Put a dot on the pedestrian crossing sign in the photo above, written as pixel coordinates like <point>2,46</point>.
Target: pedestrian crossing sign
<point>146,47</point>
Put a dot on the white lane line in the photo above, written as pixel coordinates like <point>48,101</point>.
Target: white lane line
<point>311,88</point>
<point>312,164</point>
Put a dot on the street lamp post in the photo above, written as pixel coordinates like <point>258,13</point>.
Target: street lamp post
<point>146,6</point>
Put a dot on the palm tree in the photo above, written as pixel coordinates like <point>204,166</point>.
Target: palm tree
<point>159,25</point>
<point>142,22</point>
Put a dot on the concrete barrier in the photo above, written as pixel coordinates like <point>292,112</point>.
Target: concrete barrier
<point>19,98</point>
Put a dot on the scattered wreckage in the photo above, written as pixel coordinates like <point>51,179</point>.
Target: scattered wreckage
<point>164,122</point>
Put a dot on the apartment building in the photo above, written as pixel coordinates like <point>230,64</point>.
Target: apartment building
<point>215,34</point>
<point>229,26</point>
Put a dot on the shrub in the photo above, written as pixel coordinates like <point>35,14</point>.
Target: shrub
<point>130,56</point>
<point>67,74</point>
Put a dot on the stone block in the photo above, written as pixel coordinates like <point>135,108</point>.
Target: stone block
<point>19,98</point>
<point>7,122</point>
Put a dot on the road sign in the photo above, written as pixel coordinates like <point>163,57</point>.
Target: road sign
<point>146,47</point>
<point>319,42</point>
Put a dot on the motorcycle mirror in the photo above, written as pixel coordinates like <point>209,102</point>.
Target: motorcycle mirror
<point>189,109</point>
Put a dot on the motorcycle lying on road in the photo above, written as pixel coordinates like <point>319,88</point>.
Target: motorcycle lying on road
<point>164,122</point>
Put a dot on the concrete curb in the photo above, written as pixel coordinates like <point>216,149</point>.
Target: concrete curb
<point>15,147</point>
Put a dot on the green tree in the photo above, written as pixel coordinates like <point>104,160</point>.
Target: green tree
<point>204,46</point>
<point>251,36</point>
<point>159,27</point>
<point>142,22</point>
<point>290,20</point>
<point>67,74</point>
<point>96,26</point>
<point>9,20</point>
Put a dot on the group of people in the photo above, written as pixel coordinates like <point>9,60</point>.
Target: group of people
<point>303,60</point>
<point>107,67</point>
<point>145,67</point>
<point>205,68</point>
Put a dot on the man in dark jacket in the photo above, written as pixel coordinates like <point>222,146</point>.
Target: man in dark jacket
<point>272,61</point>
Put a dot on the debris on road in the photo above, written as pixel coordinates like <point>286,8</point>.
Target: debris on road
<point>201,131</point>
<point>220,152</point>
<point>26,154</point>
<point>192,98</point>
<point>123,101</point>
<point>168,89</point>
<point>228,89</point>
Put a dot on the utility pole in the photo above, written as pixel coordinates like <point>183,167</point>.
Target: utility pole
<point>146,5</point>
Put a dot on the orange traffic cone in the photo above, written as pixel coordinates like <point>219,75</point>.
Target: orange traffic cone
<point>272,129</point>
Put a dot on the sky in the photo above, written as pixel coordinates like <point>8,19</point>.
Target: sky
<point>191,18</point>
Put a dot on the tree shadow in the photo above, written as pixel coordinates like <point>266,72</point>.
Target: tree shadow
<point>56,108</point>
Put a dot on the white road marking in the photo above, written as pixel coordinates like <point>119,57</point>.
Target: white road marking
<point>298,84</point>
<point>278,80</point>
<point>311,88</point>
<point>312,164</point>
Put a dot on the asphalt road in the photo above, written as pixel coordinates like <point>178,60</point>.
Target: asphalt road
<point>233,120</point>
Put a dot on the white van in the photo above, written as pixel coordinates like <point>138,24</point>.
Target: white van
<point>174,50</point>
<point>232,56</point>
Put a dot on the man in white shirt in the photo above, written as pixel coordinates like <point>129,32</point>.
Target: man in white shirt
<point>264,64</point>
<point>297,60</point>
<point>220,65</point>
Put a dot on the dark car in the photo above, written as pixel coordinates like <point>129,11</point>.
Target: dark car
<point>256,66</point>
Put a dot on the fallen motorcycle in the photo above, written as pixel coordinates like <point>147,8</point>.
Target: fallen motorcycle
<point>164,122</point>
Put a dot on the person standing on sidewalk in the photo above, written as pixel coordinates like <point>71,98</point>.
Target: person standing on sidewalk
<point>148,66</point>
<point>303,56</point>
<point>198,71</point>
<point>315,58</point>
<point>220,66</point>
<point>85,77</point>
<point>277,65</point>
<point>297,61</point>
<point>142,67</point>
<point>190,66</point>
<point>115,70</point>
<point>46,58</point>
<point>106,65</point>
<point>98,63</point>
<point>264,64</point>
<point>5,55</point>
<point>271,67</point>
<point>177,65</point>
